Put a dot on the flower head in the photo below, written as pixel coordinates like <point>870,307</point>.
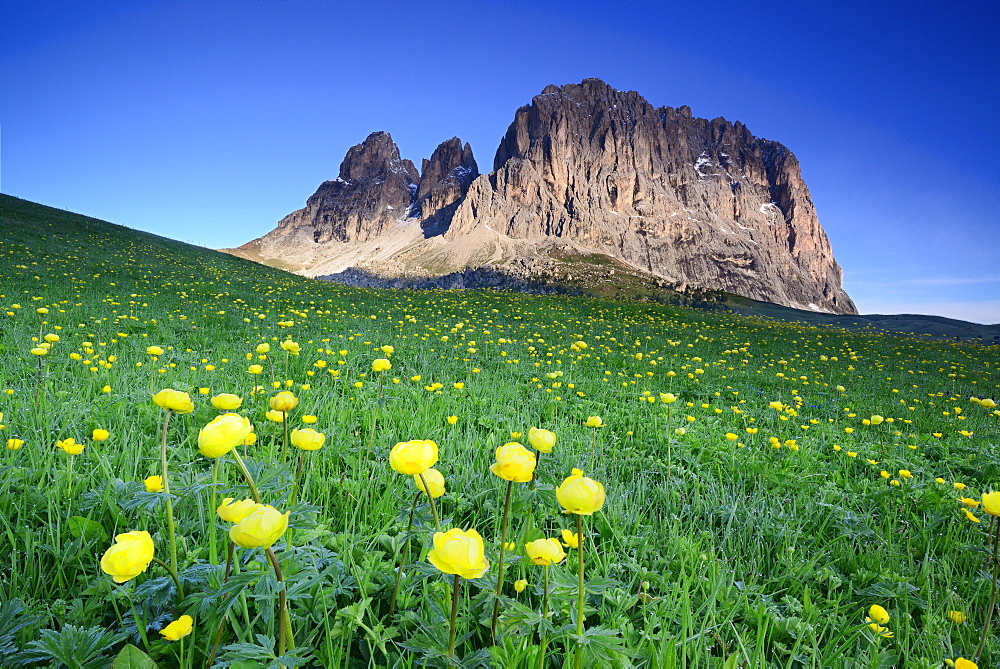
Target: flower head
<point>260,529</point>
<point>291,346</point>
<point>957,617</point>
<point>154,350</point>
<point>173,400</point>
<point>263,349</point>
<point>991,503</point>
<point>308,439</point>
<point>413,457</point>
<point>878,614</point>
<point>227,402</point>
<point>541,440</point>
<point>275,416</point>
<point>594,421</point>
<point>232,511</point>
<point>284,401</point>
<point>545,551</point>
<point>570,539</point>
<point>223,434</point>
<point>514,463</point>
<point>129,556</point>
<point>99,435</point>
<point>70,446</point>
<point>520,584</point>
<point>435,481</point>
<point>178,628</point>
<point>153,483</point>
<point>459,552</point>
<point>381,365</point>
<point>580,494</point>
<point>14,444</point>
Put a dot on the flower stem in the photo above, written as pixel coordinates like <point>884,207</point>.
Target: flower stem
<point>995,527</point>
<point>284,425</point>
<point>545,617</point>
<point>212,552</point>
<point>593,448</point>
<point>456,585</point>
<point>503,550</point>
<point>581,593</point>
<point>246,475</point>
<point>437,521</point>
<point>166,493</point>
<point>222,623</point>
<point>285,638</point>
<point>404,556</point>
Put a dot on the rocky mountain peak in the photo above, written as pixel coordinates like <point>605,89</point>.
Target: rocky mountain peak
<point>444,181</point>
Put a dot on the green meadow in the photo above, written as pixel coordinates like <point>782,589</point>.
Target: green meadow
<point>765,483</point>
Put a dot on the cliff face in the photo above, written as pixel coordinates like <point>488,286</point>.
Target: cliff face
<point>699,203</point>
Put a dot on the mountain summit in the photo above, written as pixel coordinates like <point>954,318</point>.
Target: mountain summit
<point>584,169</point>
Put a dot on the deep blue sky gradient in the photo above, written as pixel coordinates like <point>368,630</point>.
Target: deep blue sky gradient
<point>208,121</point>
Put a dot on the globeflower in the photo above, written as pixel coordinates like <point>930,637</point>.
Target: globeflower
<point>291,347</point>
<point>263,349</point>
<point>260,529</point>
<point>514,463</point>
<point>541,440</point>
<point>878,614</point>
<point>232,511</point>
<point>435,482</point>
<point>153,483</point>
<point>275,416</point>
<point>284,401</point>
<point>594,421</point>
<point>173,400</point>
<point>99,435</point>
<point>14,444</point>
<point>381,365</point>
<point>571,539</point>
<point>227,402</point>
<point>387,350</point>
<point>154,350</point>
<point>223,434</point>
<point>178,628</point>
<point>129,556</point>
<point>580,495</point>
<point>255,369</point>
<point>308,439</point>
<point>545,551</point>
<point>413,457</point>
<point>459,552</point>
<point>70,446</point>
<point>991,503</point>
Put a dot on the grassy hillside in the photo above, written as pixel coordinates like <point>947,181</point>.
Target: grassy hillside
<point>766,482</point>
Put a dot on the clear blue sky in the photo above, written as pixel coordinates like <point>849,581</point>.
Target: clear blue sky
<point>208,121</point>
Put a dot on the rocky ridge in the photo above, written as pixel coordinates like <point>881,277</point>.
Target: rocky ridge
<point>584,169</point>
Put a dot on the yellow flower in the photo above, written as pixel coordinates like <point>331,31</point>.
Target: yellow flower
<point>387,350</point>
<point>381,365</point>
<point>580,494</point>
<point>876,419</point>
<point>154,350</point>
<point>223,434</point>
<point>173,400</point>
<point>308,439</point>
<point>878,614</point>
<point>250,440</point>
<point>452,420</point>
<point>594,421</point>
<point>260,529</point>
<point>255,369</point>
<point>940,480</point>
<point>541,440</point>
<point>514,463</point>
<point>545,551</point>
<point>129,556</point>
<point>520,585</point>
<point>310,419</point>
<point>413,457</point>
<point>232,511</point>
<point>905,473</point>
<point>731,437</point>
<point>957,617</point>
<point>968,501</point>
<point>177,629</point>
<point>38,350</point>
<point>959,486</point>
<point>263,349</point>
<point>227,402</point>
<point>777,406</point>
<point>435,481</point>
<point>987,403</point>
<point>14,444</point>
<point>668,398</point>
<point>99,435</point>
<point>51,338</point>
<point>153,483</point>
<point>284,401</point>
<point>971,516</point>
<point>70,446</point>
<point>460,553</point>
<point>570,539</point>
<point>275,416</point>
<point>991,503</point>
<point>962,663</point>
<point>291,346</point>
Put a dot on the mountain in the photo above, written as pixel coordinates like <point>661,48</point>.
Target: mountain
<point>583,170</point>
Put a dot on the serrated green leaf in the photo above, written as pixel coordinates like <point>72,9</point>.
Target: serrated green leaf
<point>131,657</point>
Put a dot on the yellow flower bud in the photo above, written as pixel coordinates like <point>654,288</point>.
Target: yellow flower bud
<point>514,463</point>
<point>460,553</point>
<point>435,481</point>
<point>594,421</point>
<point>878,614</point>
<point>173,400</point>
<point>545,551</point>
<point>520,585</point>
<point>227,402</point>
<point>413,457</point>
<point>99,435</point>
<point>129,556</point>
<point>232,511</point>
<point>284,401</point>
<point>308,439</point>
<point>223,434</point>
<point>260,529</point>
<point>541,440</point>
<point>153,483</point>
<point>580,494</point>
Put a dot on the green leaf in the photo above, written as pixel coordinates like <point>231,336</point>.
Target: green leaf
<point>86,529</point>
<point>132,658</point>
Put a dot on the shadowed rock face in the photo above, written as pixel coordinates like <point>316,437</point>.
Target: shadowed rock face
<point>699,203</point>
